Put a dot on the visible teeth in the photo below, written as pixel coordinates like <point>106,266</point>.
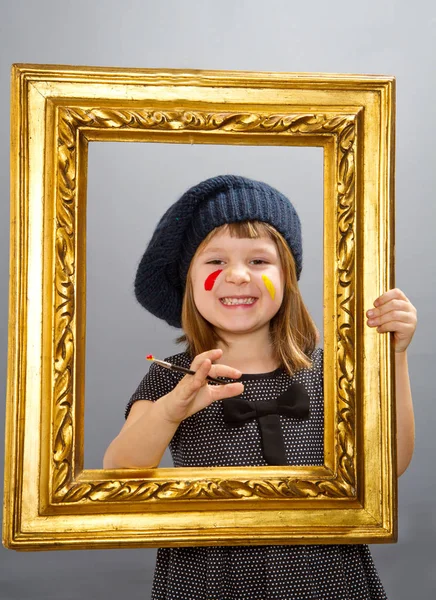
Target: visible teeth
<point>232,301</point>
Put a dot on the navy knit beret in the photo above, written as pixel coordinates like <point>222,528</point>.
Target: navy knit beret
<point>161,275</point>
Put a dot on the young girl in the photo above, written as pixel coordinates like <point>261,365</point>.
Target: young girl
<point>224,263</point>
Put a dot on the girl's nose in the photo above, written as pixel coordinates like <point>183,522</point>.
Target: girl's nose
<point>237,274</point>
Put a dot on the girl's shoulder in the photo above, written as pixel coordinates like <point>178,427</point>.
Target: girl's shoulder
<point>317,357</point>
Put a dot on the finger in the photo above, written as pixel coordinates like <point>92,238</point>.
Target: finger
<point>396,327</point>
<point>400,305</point>
<point>221,392</point>
<point>225,371</point>
<point>395,293</point>
<point>192,383</point>
<point>401,338</point>
<point>212,355</point>
<point>202,372</point>
<point>394,316</point>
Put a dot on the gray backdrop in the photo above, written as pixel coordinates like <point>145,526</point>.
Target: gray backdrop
<point>130,185</point>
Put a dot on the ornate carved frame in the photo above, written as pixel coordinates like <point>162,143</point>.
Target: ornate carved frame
<point>51,501</point>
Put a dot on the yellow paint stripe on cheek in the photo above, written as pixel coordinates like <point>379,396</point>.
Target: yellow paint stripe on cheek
<point>269,286</point>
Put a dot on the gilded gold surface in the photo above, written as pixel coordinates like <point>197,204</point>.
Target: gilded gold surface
<point>53,502</point>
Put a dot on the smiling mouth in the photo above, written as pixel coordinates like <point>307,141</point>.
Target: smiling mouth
<point>231,301</point>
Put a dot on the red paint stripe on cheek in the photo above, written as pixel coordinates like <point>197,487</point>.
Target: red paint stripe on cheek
<point>210,280</point>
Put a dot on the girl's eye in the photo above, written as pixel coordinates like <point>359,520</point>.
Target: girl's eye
<point>216,261</point>
<point>259,261</point>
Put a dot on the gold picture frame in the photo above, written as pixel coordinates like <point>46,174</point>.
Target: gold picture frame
<point>51,501</point>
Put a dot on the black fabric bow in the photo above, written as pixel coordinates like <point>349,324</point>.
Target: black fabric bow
<point>294,402</point>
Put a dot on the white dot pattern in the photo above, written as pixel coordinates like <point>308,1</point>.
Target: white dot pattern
<point>315,572</point>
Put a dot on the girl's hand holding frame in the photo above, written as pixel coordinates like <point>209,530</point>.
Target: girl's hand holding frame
<point>393,312</point>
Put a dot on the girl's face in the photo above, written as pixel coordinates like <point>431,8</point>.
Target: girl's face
<point>238,283</point>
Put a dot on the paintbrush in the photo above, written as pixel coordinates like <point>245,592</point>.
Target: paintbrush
<point>168,365</point>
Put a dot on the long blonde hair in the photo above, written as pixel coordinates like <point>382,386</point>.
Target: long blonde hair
<point>292,330</point>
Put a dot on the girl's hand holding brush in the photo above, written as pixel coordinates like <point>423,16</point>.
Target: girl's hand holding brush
<point>193,393</point>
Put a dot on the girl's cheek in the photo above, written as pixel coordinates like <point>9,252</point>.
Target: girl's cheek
<point>210,280</point>
<point>269,286</point>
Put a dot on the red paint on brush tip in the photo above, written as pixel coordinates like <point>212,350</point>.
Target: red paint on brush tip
<point>210,280</point>
<point>150,357</point>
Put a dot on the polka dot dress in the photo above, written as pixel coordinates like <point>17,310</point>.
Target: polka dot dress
<point>321,572</point>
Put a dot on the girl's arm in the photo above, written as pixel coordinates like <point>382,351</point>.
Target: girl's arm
<point>393,312</point>
<point>143,438</point>
<point>405,417</point>
<point>150,426</point>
